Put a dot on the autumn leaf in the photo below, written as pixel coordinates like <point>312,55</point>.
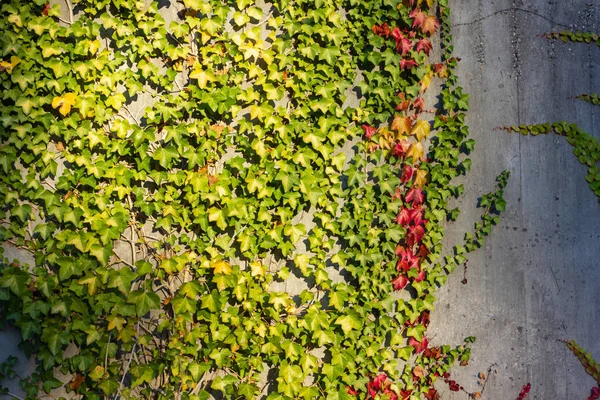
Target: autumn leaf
<point>416,152</point>
<point>415,196</point>
<point>423,45</point>
<point>419,18</point>
<point>407,173</point>
<point>65,103</point>
<point>419,346</point>
<point>399,282</point>
<point>420,178</point>
<point>430,25</point>
<point>425,81</point>
<point>76,381</point>
<point>420,130</point>
<point>403,44</point>
<point>221,267</point>
<point>8,66</point>
<point>419,105</point>
<point>369,131</point>
<point>418,371</point>
<point>401,148</point>
<point>408,64</point>
<point>402,125</point>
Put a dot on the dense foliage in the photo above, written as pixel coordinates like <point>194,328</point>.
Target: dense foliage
<point>270,225</point>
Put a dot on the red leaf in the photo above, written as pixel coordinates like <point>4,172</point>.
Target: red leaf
<point>420,277</point>
<point>379,380</point>
<point>405,393</point>
<point>407,173</point>
<point>424,45</point>
<point>419,346</point>
<point>415,196</point>
<point>416,216</point>
<point>46,9</point>
<point>382,30</point>
<point>352,391</point>
<point>401,148</point>
<point>432,394</point>
<point>415,235</point>
<point>399,282</point>
<point>419,104</point>
<point>418,16</point>
<point>407,64</point>
<point>369,131</point>
<point>403,217</point>
<point>524,392</point>
<point>396,34</point>
<point>403,46</point>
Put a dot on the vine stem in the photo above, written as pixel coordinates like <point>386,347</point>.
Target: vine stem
<point>14,396</point>
<point>70,7</point>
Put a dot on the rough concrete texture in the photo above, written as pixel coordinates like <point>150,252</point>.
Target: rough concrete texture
<point>537,279</point>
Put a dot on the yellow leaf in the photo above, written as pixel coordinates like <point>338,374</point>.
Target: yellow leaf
<point>416,152</point>
<point>257,268</point>
<point>94,46</point>
<point>203,77</point>
<point>421,178</point>
<point>8,66</point>
<point>205,36</point>
<point>402,125</point>
<point>65,103</point>
<point>222,267</point>
<point>420,130</point>
<point>115,322</point>
<point>425,82</point>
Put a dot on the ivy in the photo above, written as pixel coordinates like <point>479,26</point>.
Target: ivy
<point>277,209</point>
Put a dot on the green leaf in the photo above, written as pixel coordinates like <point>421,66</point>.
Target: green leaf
<point>16,280</point>
<point>144,302</point>
<point>349,322</point>
<point>295,232</point>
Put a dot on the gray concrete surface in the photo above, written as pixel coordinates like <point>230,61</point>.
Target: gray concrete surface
<point>537,280</point>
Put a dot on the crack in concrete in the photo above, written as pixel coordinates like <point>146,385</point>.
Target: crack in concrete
<point>511,9</point>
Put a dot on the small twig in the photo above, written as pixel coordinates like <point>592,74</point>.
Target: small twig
<point>132,116</point>
<point>14,396</point>
<point>70,7</point>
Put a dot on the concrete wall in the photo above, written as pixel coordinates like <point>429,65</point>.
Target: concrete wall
<point>537,280</point>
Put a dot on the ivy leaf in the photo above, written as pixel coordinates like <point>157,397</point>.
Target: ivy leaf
<point>349,322</point>
<point>183,305</point>
<point>295,232</point>
<point>203,77</point>
<point>221,267</point>
<point>16,280</point>
<point>21,211</point>
<point>402,125</point>
<point>143,301</point>
<point>116,101</point>
<point>420,130</point>
<point>217,215</point>
<point>221,357</point>
<point>416,152</point>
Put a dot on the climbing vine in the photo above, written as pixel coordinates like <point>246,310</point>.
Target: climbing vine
<point>268,225</point>
<point>587,150</point>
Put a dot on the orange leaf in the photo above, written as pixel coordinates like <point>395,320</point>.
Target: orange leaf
<point>418,371</point>
<point>402,125</point>
<point>430,25</point>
